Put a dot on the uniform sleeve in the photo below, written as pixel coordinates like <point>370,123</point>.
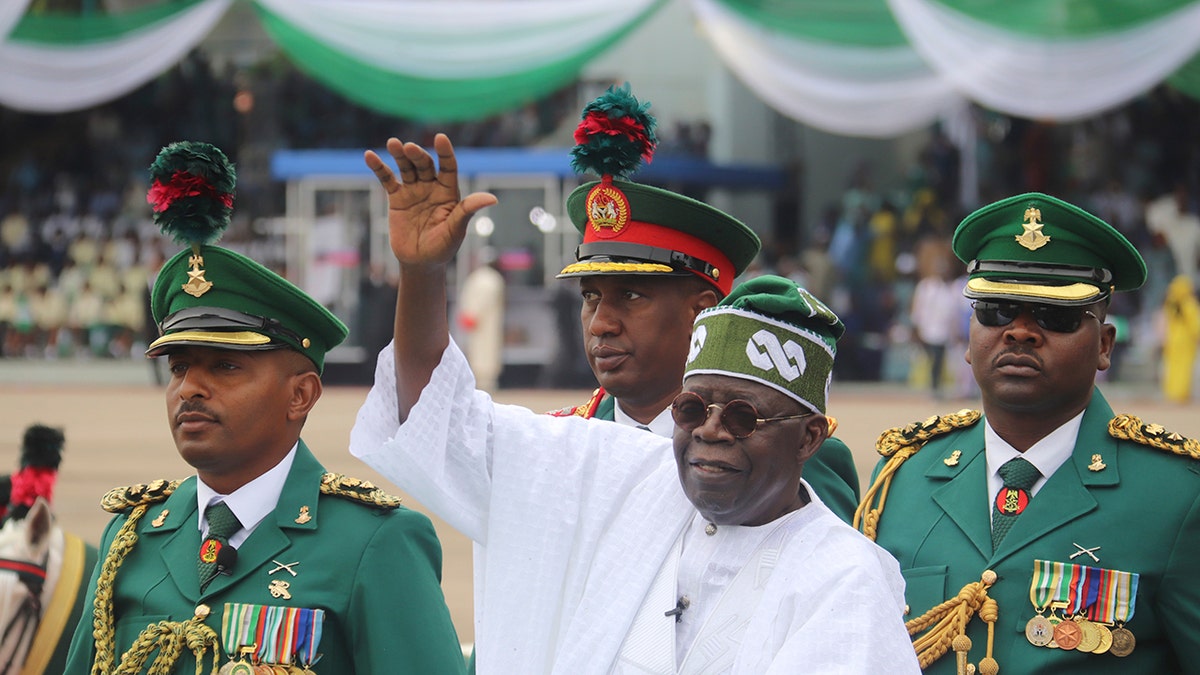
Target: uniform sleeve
<point>1179,596</point>
<point>82,652</point>
<point>398,619</point>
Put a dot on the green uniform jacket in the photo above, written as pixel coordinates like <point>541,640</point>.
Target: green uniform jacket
<point>830,471</point>
<point>1140,513</point>
<point>374,571</point>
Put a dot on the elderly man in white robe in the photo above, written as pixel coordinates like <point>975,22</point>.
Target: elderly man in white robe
<point>602,556</point>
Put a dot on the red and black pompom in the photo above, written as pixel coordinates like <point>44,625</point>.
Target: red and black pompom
<point>616,135</point>
<point>192,192</point>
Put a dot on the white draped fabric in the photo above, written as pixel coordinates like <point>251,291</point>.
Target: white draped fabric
<point>456,39</point>
<point>844,89</point>
<point>1062,79</point>
<point>443,58</point>
<point>10,13</point>
<point>53,78</point>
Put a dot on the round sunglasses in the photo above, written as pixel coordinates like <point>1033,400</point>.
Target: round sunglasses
<point>740,418</point>
<point>1053,318</point>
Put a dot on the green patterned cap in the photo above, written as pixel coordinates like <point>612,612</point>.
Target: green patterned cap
<point>213,297</point>
<point>771,331</point>
<point>1035,248</point>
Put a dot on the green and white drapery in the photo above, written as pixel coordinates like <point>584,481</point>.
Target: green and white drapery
<point>881,67</point>
<point>456,60</point>
<point>856,67</point>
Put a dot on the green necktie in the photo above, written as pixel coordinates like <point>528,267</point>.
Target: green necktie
<point>1019,476</point>
<point>221,525</point>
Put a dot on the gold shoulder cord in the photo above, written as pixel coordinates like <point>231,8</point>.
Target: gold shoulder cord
<point>945,625</point>
<point>169,637</point>
<point>1131,428</point>
<point>357,490</point>
<point>898,444</point>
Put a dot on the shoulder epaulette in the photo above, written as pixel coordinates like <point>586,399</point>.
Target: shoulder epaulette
<point>124,498</point>
<point>584,410</point>
<point>357,490</point>
<point>1131,428</point>
<point>916,433</point>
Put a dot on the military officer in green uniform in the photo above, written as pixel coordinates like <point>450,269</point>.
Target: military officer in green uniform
<point>650,261</point>
<point>1047,534</point>
<point>262,561</point>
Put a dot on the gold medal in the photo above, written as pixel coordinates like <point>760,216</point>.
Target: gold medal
<point>1105,639</point>
<point>1039,631</point>
<point>237,668</point>
<point>1090,637</point>
<point>1123,642</point>
<point>1067,635</point>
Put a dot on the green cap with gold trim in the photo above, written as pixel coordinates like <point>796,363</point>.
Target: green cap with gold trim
<point>1035,248</point>
<point>629,228</point>
<point>210,296</point>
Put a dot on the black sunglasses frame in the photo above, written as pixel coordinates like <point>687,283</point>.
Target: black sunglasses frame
<point>1054,318</point>
<point>730,425</point>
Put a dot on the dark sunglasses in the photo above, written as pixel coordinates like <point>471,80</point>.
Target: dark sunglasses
<point>1050,317</point>
<point>740,418</point>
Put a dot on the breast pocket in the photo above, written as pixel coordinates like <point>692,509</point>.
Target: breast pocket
<point>924,589</point>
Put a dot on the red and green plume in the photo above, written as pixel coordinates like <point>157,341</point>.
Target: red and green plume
<point>192,192</point>
<point>616,135</point>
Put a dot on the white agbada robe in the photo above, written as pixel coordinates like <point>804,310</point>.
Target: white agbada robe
<point>583,523</point>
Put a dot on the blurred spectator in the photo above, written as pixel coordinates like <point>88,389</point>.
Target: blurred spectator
<point>481,318</point>
<point>1174,217</point>
<point>1181,312</point>
<point>936,314</point>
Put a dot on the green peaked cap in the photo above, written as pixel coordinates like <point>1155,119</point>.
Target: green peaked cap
<point>772,331</point>
<point>1035,248</point>
<point>246,307</point>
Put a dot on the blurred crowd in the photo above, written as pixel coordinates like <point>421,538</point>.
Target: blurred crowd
<point>882,256</point>
<point>78,250</point>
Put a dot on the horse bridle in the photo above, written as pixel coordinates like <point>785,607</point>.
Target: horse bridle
<point>25,620</point>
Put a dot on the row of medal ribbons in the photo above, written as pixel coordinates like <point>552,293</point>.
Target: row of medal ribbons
<point>1088,608</point>
<point>266,640</point>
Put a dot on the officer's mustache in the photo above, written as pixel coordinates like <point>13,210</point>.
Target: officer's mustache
<point>192,407</point>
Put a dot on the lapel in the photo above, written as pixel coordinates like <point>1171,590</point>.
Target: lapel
<point>606,409</point>
<point>1067,494</point>
<point>963,496</point>
<point>177,538</point>
<point>273,534</point>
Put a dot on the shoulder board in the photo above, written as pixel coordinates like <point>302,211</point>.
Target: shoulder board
<point>1131,428</point>
<point>917,433</point>
<point>357,490</point>
<point>584,410</point>
<point>124,498</point>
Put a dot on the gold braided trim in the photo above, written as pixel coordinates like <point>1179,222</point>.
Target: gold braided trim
<point>945,626</point>
<point>898,444</point>
<point>1131,428</point>
<point>170,638</point>
<point>357,490</point>
<point>124,498</point>
<point>102,610</point>
<point>614,267</point>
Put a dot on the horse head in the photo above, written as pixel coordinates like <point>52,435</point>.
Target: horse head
<point>30,558</point>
